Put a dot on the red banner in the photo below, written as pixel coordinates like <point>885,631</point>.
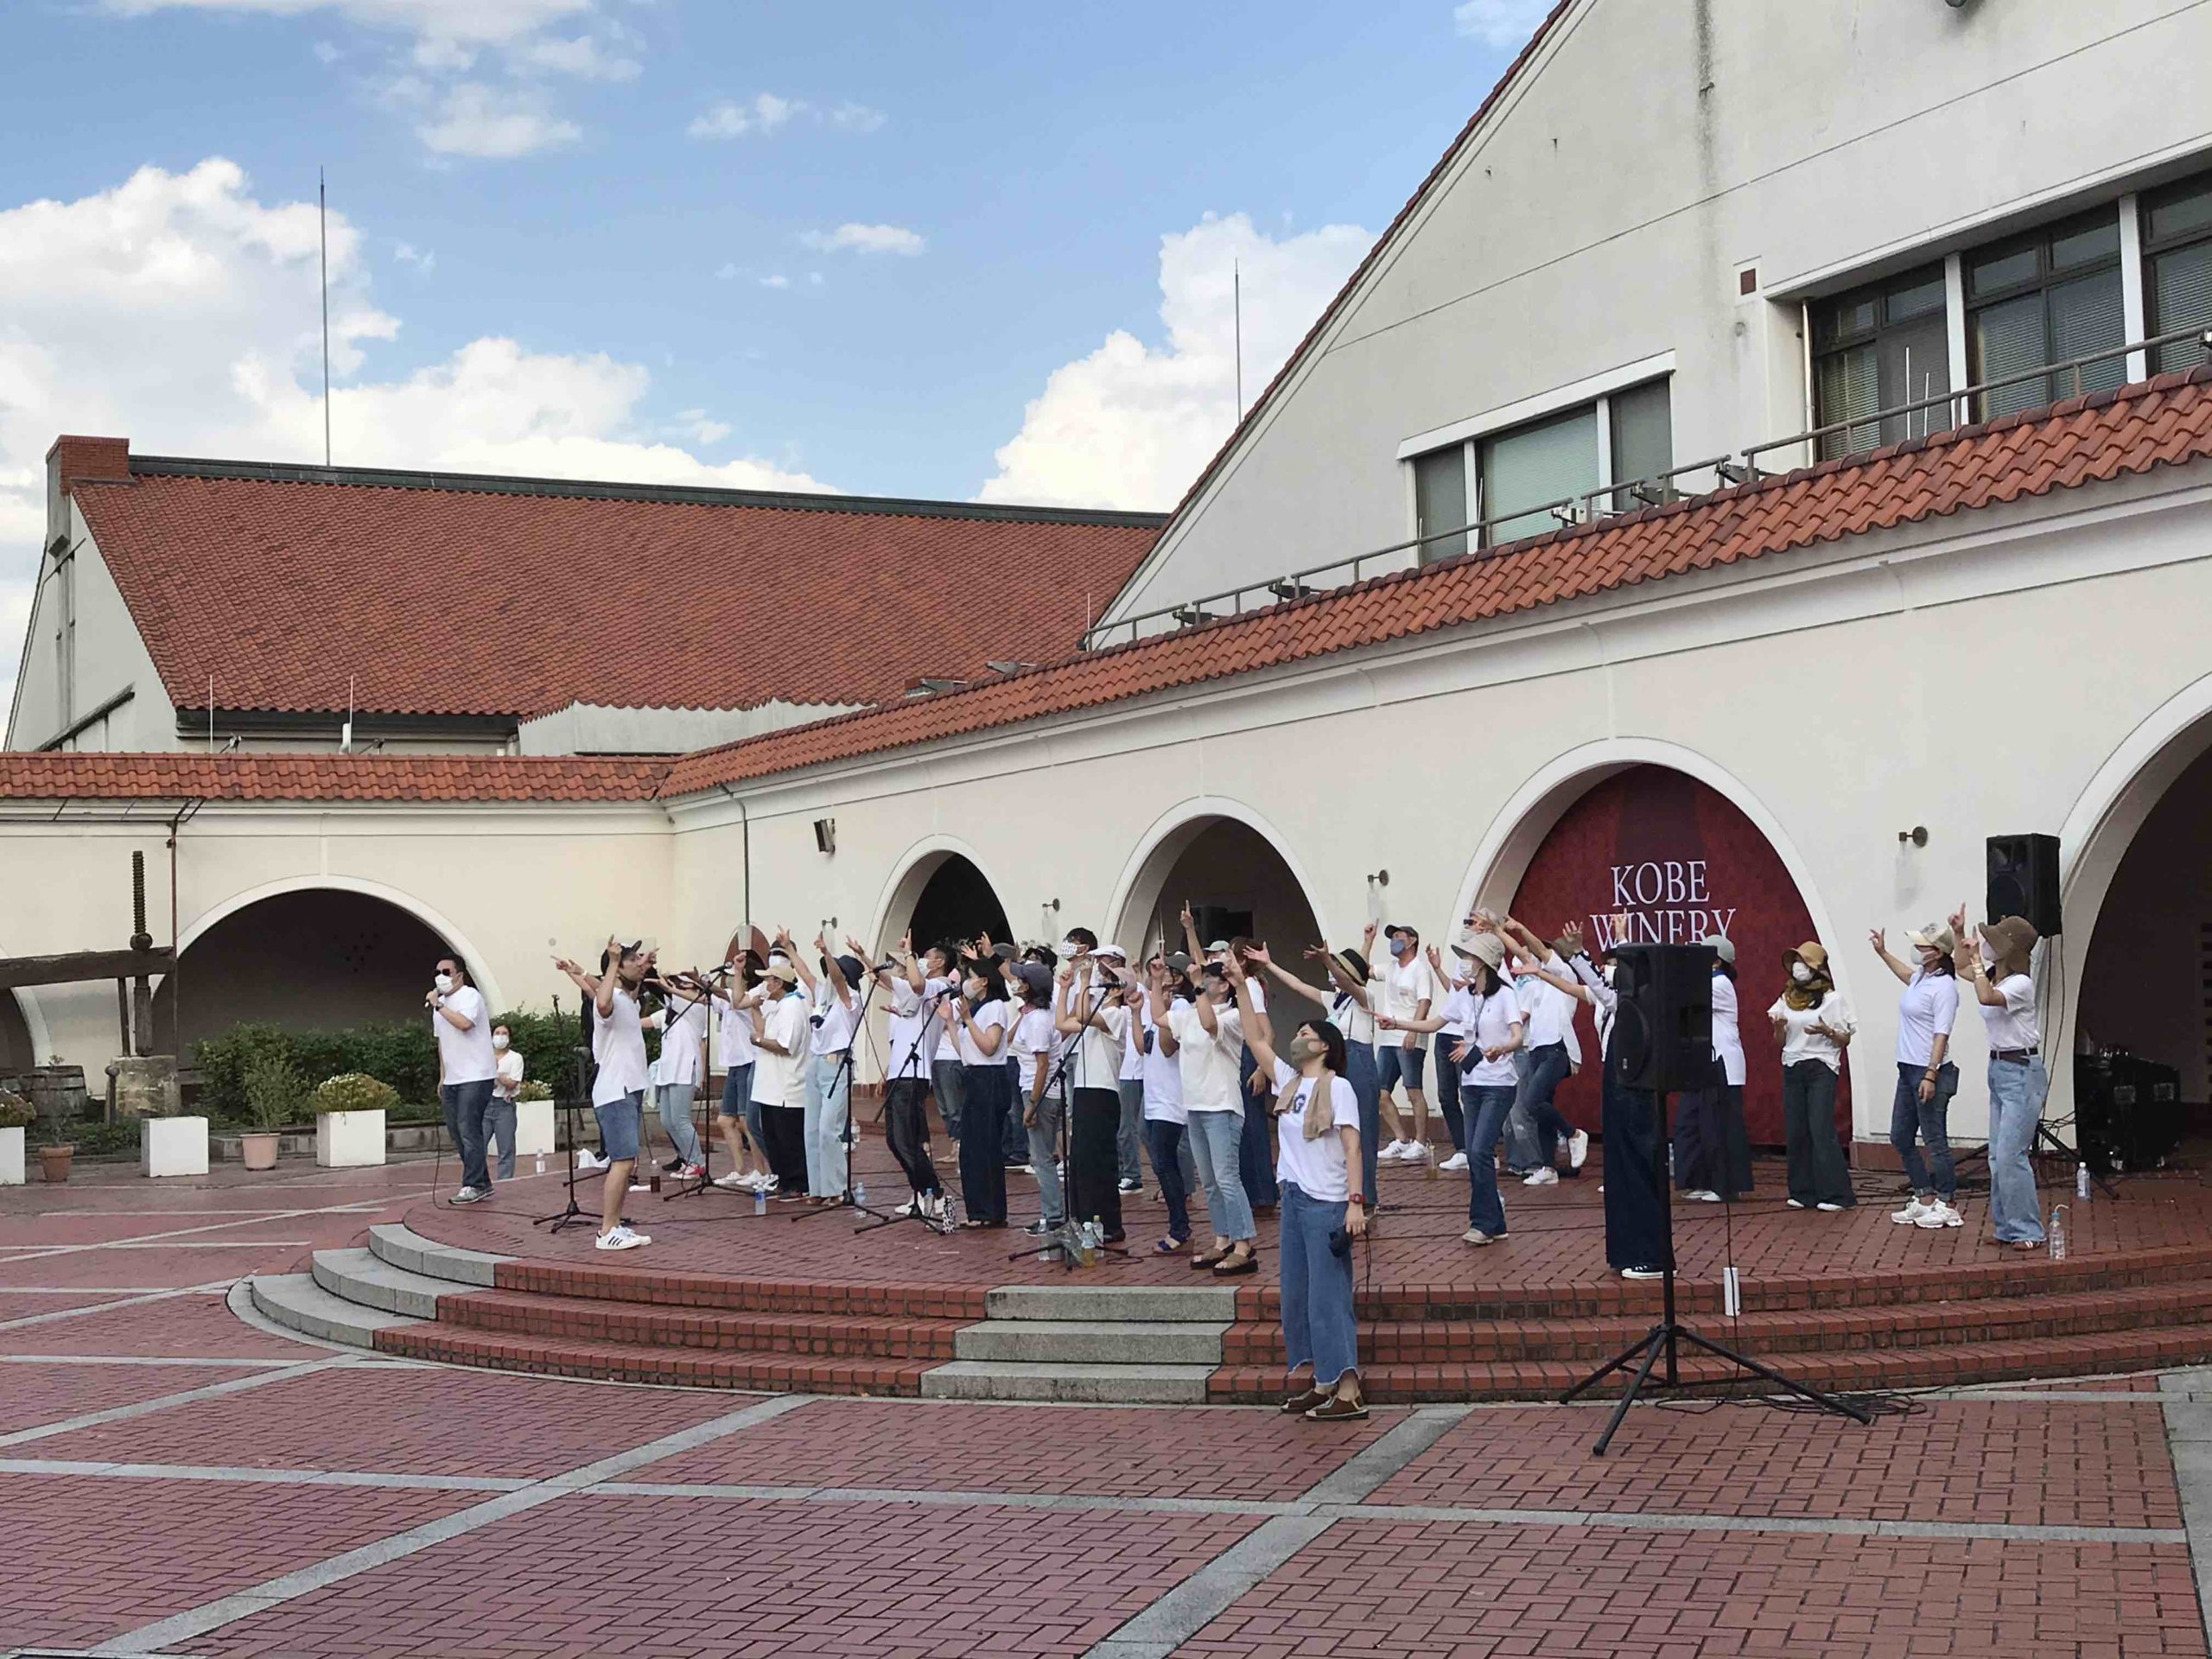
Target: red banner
<point>1682,863</point>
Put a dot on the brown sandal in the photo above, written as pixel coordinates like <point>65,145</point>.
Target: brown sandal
<point>1200,1261</point>
<point>1337,1410</point>
<point>1299,1404</point>
<point>1239,1260</point>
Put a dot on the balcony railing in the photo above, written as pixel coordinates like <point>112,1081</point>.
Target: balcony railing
<point>1687,482</point>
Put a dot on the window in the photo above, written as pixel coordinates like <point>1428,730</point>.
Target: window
<point>2045,298</point>
<point>1536,464</point>
<point>1642,438</point>
<point>2176,225</point>
<point>1441,502</point>
<point>1877,348</point>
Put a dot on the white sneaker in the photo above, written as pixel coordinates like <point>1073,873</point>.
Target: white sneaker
<point>1643,1273</point>
<point>909,1209</point>
<point>1577,1149</point>
<point>470,1195</point>
<point>1700,1195</point>
<point>1911,1215</point>
<point>1545,1177</point>
<point>1457,1160</point>
<point>734,1182</point>
<point>766,1183</point>
<point>1829,1209</point>
<point>1796,1204</point>
<point>1391,1154</point>
<point>1940,1214</point>
<point>1476,1235</point>
<point>620,1238</point>
<point>587,1159</point>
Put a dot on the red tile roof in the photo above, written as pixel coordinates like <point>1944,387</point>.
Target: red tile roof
<point>324,777</point>
<point>450,595</point>
<point>2162,422</point>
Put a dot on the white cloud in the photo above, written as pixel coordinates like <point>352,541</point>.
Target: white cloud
<point>179,311</point>
<point>584,56</point>
<point>765,112</point>
<point>1130,425</point>
<point>865,238</point>
<point>777,280</point>
<point>493,123</point>
<point>724,272</point>
<point>1506,24</point>
<point>326,52</point>
<point>408,254</point>
<point>856,117</point>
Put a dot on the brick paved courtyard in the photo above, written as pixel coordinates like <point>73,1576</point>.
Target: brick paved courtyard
<point>179,1481</point>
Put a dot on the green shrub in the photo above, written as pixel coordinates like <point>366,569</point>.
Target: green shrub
<point>15,1112</point>
<point>274,1091</point>
<point>355,1091</point>
<point>535,1089</point>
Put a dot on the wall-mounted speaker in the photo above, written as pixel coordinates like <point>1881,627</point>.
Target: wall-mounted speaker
<point>2023,880</point>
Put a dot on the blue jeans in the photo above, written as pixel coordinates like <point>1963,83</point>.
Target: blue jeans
<point>1318,1325</point>
<point>464,1105</point>
<point>949,1083</point>
<point>1045,1153</point>
<point>1017,1138</point>
<point>1131,1134</point>
<point>1394,1063</point>
<point>2016,1098</point>
<point>1486,1109</point>
<point>1171,1154</point>
<point>1447,1087</point>
<point>500,1134</point>
<point>738,1101</point>
<point>673,1102</point>
<point>1255,1153</point>
<point>828,1108</point>
<point>1910,1120</point>
<point>1359,1072</point>
<point>1217,1138</point>
<point>1537,1125</point>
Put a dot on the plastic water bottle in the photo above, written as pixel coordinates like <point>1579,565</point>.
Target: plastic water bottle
<point>2057,1232</point>
<point>952,1213</point>
<point>541,1163</point>
<point>2081,1182</point>
<point>860,1193</point>
<point>759,1200</point>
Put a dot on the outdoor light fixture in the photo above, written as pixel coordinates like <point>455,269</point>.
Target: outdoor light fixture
<point>1917,835</point>
<point>1284,588</point>
<point>825,835</point>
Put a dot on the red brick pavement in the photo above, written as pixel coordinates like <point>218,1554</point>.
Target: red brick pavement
<point>1955,1461</point>
<point>19,1304</point>
<point>193,1326</point>
<point>690,1579</point>
<point>1168,1451</point>
<point>1407,1592</point>
<point>33,1395</point>
<point>89,1560</point>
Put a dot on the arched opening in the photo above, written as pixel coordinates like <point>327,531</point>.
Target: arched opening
<point>17,1051</point>
<point>1683,861</point>
<point>1231,874</point>
<point>943,895</point>
<point>316,959</point>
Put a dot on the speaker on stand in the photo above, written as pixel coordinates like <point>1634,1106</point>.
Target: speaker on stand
<point>2023,881</point>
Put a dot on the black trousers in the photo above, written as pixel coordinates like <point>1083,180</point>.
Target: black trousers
<point>783,1135</point>
<point>1636,1182</point>
<point>1713,1151</point>
<point>1818,1171</point>
<point>905,1126</point>
<point>1095,1158</point>
<point>982,1134</point>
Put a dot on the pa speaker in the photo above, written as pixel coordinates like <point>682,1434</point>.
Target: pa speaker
<point>2023,880</point>
<point>1662,1028</point>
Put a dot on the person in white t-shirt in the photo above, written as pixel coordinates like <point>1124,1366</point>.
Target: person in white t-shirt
<point>917,989</point>
<point>1814,1025</point>
<point>618,1086</point>
<point>738,1118</point>
<point>466,1066</point>
<point>1042,1098</point>
<point>1088,1010</point>
<point>682,1021</point>
<point>1537,1127</point>
<point>836,995</point>
<point>1409,993</point>
<point>1712,1150</point>
<point>1996,965</point>
<point>779,1055</point>
<point>977,1021</point>
<point>499,1115</point>
<point>1167,1120</point>
<point>1128,1077</point>
<point>1927,1079</point>
<point>1315,1112</point>
<point>1206,1039</point>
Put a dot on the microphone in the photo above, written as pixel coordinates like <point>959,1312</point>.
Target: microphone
<point>886,965</point>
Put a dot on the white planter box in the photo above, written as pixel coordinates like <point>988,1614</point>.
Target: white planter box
<point>533,1127</point>
<point>348,1140</point>
<point>11,1157</point>
<point>172,1145</point>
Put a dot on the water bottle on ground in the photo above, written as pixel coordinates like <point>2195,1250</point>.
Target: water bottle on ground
<point>860,1193</point>
<point>2057,1238</point>
<point>2082,1181</point>
<point>952,1213</point>
<point>759,1200</point>
<point>541,1163</point>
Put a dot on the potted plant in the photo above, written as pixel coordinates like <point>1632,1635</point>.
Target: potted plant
<point>54,1161</point>
<point>16,1114</point>
<point>534,1118</point>
<point>272,1090</point>
<point>349,1120</point>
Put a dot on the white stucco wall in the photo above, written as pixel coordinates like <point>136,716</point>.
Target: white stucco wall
<point>111,657</point>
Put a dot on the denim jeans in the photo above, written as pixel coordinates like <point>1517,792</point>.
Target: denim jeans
<point>1016,1144</point>
<point>948,1080</point>
<point>828,1108</point>
<point>738,1101</point>
<point>500,1136</point>
<point>1171,1152</point>
<point>1537,1126</point>
<point>1486,1109</point>
<point>1359,1072</point>
<point>673,1102</point>
<point>1131,1134</point>
<point>1044,1136</point>
<point>1217,1138</point>
<point>1394,1062</point>
<point>1447,1087</point>
<point>464,1105</point>
<point>1911,1121</point>
<point>1255,1151</point>
<point>1818,1173</point>
<point>2016,1098</point>
<point>1318,1325</point>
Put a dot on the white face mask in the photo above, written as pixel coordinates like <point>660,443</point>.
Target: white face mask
<point>1800,973</point>
<point>1069,951</point>
<point>498,1040</point>
<point>444,982</point>
<point>1988,956</point>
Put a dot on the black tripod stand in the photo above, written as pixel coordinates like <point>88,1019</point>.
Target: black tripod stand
<point>1666,1339</point>
<point>573,1215</point>
<point>703,1182</point>
<point>842,1075</point>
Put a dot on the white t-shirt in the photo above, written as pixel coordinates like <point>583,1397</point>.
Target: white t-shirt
<point>1458,1014</point>
<point>618,1044</point>
<point>778,1079</point>
<point>916,1025</point>
<point>1357,1023</point>
<point>1405,986</point>
<point>1599,984</point>
<point>465,1056</point>
<point>1316,1167</point>
<point>835,1034</point>
<point>1495,1017</point>
<point>1929,1008</point>
<point>683,1026</point>
<point>1801,1042</point>
<point>1099,1063</point>
<point>1548,1012</point>
<point>2013,1025</point>
<point>991,1016</point>
<point>1727,1038</point>
<point>1132,1067</point>
<point>1209,1060</point>
<point>1035,1047</point>
<point>510,1078</point>
<point>733,1032</point>
<point>1163,1075</point>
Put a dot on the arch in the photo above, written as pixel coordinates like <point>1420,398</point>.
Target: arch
<point>913,872</point>
<point>41,1039</point>
<point>1137,891</point>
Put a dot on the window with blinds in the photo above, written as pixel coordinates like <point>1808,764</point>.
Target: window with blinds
<point>1441,503</point>
<point>1534,464</point>
<point>2049,296</point>
<point>1876,348</point>
<point>2177,228</point>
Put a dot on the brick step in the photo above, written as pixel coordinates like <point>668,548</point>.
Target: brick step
<point>676,1367</point>
<point>714,1292</point>
<point>1910,1324</point>
<point>570,1319</point>
<point>1948,1366</point>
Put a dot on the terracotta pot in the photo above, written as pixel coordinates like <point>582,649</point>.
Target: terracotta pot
<point>53,1162</point>
<point>258,1150</point>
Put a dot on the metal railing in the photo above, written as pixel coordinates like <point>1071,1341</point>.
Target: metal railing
<point>1612,500</point>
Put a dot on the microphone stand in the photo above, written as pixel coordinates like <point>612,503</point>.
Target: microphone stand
<point>704,1181</point>
<point>574,1214</point>
<point>909,1072</point>
<point>1062,1239</point>
<point>842,1073</point>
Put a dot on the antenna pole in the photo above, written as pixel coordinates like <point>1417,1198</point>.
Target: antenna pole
<point>322,236</point>
<point>1237,302</point>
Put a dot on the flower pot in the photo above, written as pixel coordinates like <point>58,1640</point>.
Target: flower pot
<point>258,1148</point>
<point>533,1128</point>
<point>172,1145</point>
<point>348,1140</point>
<point>11,1157</point>
<point>53,1162</point>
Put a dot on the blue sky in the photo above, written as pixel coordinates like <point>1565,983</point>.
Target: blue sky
<point>838,244</point>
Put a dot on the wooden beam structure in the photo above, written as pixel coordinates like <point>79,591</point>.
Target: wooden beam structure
<point>19,972</point>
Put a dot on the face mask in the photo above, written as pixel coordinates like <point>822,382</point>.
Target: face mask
<point>974,989</point>
<point>444,982</point>
<point>1800,973</point>
<point>1989,955</point>
<point>498,1041</point>
<point>1068,948</point>
<point>1401,948</point>
<point>1303,1049</point>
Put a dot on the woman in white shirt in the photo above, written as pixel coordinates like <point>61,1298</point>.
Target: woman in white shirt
<point>618,1085</point>
<point>977,1021</point>
<point>829,1069</point>
<point>1489,1082</point>
<point>1206,1037</point>
<point>506,1085</point>
<point>1316,1116</point>
<point>1713,1151</point>
<point>1920,1110</point>
<point>1165,1118</point>
<point>1812,1023</point>
<point>1043,1103</point>
<point>740,1118</point>
<point>1350,1002</point>
<point>682,1021</point>
<point>1997,968</point>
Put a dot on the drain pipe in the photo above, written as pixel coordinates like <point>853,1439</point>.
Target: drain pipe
<point>745,844</point>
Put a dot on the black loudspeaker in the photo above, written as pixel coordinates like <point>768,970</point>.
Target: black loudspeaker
<point>2023,880</point>
<point>1662,1029</point>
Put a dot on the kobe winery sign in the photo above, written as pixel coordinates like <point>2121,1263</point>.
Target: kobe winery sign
<point>1662,901</point>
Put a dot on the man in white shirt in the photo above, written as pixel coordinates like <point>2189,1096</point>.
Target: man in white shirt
<point>1536,1126</point>
<point>1409,993</point>
<point>916,993</point>
<point>618,1085</point>
<point>467,1065</point>
<point>1996,962</point>
<point>682,1021</point>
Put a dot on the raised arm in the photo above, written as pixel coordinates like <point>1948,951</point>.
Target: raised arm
<point>1155,994</point>
<point>1881,941</point>
<point>1259,1035</point>
<point>1288,981</point>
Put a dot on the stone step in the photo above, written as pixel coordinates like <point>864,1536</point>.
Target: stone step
<point>669,1367</point>
<point>1016,1380</point>
<point>1201,1304</point>
<point>395,1243</point>
<point>569,1318</point>
<point>363,1277</point>
<point>294,1301</point>
<point>1092,1343</point>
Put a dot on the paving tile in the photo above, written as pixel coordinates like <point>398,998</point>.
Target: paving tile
<point>194,1326</point>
